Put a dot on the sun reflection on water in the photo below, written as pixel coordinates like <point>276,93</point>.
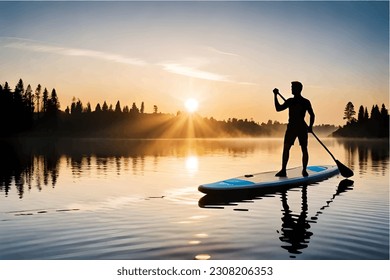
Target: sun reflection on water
<point>192,165</point>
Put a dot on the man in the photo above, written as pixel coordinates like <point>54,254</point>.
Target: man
<point>297,127</point>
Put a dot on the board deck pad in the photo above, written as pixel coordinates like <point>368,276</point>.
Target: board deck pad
<point>268,179</point>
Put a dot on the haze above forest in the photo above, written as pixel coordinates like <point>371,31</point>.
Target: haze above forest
<point>29,112</point>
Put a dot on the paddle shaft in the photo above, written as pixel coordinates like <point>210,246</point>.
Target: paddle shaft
<point>312,132</point>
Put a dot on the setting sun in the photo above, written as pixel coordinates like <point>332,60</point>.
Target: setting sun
<point>191,105</point>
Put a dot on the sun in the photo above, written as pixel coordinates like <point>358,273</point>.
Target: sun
<point>191,105</point>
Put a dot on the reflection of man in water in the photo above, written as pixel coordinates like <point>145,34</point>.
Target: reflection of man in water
<point>297,127</point>
<point>295,228</point>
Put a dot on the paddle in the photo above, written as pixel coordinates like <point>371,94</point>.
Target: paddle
<point>344,171</point>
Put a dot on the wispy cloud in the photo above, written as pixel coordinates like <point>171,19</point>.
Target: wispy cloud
<point>220,51</point>
<point>29,45</point>
<point>196,73</point>
<point>176,68</point>
<point>193,72</point>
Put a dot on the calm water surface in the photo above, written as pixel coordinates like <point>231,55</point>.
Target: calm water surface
<point>138,199</point>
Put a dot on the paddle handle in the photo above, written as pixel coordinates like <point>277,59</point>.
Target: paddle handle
<point>312,132</point>
<point>284,99</point>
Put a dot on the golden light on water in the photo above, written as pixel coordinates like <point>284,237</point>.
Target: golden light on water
<point>192,164</point>
<point>202,257</point>
<point>201,235</point>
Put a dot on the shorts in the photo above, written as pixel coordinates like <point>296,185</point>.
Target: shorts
<point>293,132</point>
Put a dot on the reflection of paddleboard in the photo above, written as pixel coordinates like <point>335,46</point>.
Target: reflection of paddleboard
<point>268,180</point>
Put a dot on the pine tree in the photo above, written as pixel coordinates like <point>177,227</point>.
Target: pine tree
<point>134,109</point>
<point>28,99</point>
<point>384,112</point>
<point>54,99</point>
<point>18,93</point>
<point>19,88</point>
<point>6,88</point>
<point>361,114</point>
<point>76,107</point>
<point>88,109</point>
<point>366,116</point>
<point>53,104</point>
<point>45,100</point>
<point>375,113</point>
<point>73,106</point>
<point>118,107</point>
<point>98,108</point>
<point>105,107</point>
<point>349,112</point>
<point>38,96</point>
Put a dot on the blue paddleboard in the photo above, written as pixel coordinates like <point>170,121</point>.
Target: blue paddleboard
<point>264,180</point>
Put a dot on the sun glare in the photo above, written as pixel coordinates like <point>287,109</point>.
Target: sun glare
<point>192,164</point>
<point>191,105</point>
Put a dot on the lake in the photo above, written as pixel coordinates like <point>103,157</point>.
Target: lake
<point>105,199</point>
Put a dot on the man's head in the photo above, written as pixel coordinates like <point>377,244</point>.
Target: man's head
<point>296,87</point>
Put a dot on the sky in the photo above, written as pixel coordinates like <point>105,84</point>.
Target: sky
<point>227,55</point>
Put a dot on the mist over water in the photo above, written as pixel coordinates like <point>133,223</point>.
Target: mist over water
<point>138,199</point>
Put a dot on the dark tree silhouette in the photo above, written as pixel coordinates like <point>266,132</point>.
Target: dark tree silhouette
<point>38,97</point>
<point>361,114</point>
<point>98,108</point>
<point>134,109</point>
<point>374,126</point>
<point>45,99</point>
<point>53,104</point>
<point>88,109</point>
<point>349,112</point>
<point>105,107</point>
<point>118,107</point>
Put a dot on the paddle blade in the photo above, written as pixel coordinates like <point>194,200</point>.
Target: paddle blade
<point>344,171</point>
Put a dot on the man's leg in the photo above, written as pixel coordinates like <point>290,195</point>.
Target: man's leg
<point>285,157</point>
<point>305,154</point>
<point>305,160</point>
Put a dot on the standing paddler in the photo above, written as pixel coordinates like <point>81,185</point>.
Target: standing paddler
<point>296,127</point>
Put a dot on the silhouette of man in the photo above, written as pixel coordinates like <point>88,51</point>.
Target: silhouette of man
<point>297,127</point>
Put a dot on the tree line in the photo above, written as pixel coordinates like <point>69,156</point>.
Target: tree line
<point>20,107</point>
<point>36,112</point>
<point>373,125</point>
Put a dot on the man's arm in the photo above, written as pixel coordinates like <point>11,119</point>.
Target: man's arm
<point>279,107</point>
<point>312,117</point>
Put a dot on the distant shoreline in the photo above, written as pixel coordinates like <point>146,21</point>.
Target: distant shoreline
<point>34,114</point>
<point>56,137</point>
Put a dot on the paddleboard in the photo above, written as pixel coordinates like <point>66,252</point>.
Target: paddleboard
<point>264,180</point>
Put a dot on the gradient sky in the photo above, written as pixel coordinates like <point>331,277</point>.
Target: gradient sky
<point>228,55</point>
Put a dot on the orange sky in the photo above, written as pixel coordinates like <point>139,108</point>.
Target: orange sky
<point>227,55</point>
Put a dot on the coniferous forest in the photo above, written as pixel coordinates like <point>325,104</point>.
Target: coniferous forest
<point>373,125</point>
<point>28,111</point>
